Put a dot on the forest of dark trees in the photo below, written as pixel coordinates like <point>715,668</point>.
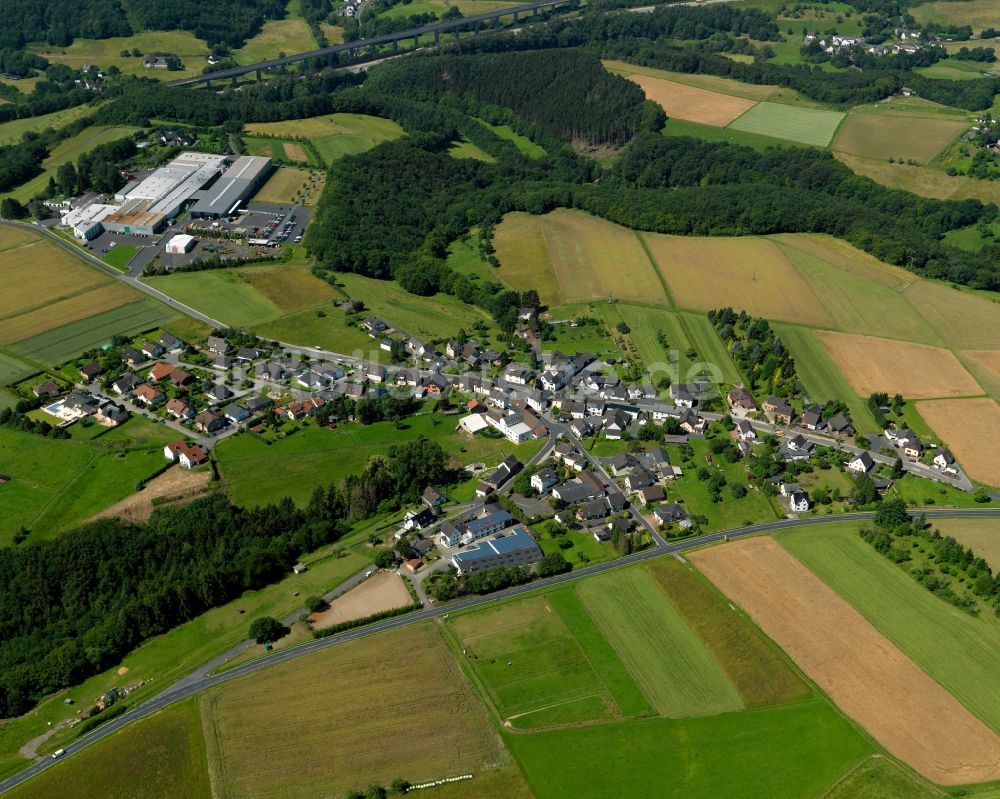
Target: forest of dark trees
<point>59,22</point>
<point>567,92</point>
<point>74,606</point>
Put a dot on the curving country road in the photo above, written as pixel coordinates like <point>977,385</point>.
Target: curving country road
<point>200,679</point>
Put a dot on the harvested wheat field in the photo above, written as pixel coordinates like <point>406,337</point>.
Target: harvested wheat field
<point>971,428</point>
<point>870,679</point>
<point>368,711</point>
<point>383,591</point>
<point>594,259</point>
<point>691,103</point>
<point>750,274</point>
<point>916,371</point>
<point>174,485</point>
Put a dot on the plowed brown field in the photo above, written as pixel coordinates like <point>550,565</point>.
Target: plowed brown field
<point>860,669</point>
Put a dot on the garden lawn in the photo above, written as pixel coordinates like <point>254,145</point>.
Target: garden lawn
<point>802,125</point>
<point>794,750</point>
<point>958,650</point>
<point>120,255</point>
<point>668,661</point>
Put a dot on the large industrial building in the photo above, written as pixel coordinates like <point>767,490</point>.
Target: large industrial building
<point>238,184</point>
<point>147,205</point>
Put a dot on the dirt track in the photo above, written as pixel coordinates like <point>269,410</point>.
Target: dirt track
<point>862,671</point>
<point>383,591</point>
<point>174,482</point>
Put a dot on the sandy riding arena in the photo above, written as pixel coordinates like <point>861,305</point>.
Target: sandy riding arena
<point>383,591</point>
<point>862,671</point>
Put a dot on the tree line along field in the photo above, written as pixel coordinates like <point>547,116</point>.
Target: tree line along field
<point>168,657</point>
<point>70,150</point>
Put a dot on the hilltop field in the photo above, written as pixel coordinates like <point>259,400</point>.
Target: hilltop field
<point>908,130</point>
<point>855,325</point>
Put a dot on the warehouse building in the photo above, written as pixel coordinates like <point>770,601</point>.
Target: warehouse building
<point>181,243</point>
<point>147,205</point>
<point>238,184</point>
<point>87,220</point>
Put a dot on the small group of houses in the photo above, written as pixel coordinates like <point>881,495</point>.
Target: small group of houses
<point>516,547</point>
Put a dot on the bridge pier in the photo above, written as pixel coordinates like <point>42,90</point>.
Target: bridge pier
<point>437,37</point>
<point>208,84</point>
<point>416,41</point>
<point>455,33</point>
<point>515,18</point>
<point>395,45</point>
<point>283,68</point>
<point>233,82</point>
<point>372,49</point>
<point>259,75</point>
<point>479,25</point>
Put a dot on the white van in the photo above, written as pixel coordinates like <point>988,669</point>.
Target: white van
<point>58,753</point>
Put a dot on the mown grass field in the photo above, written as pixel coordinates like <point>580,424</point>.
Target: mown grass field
<point>290,185</point>
<point>682,127</point>
<point>888,133</point>
<point>11,132</point>
<point>105,297</point>
<point>525,145</point>
<point>437,317</point>
<point>288,35</point>
<point>57,484</point>
<point>668,661</point>
<point>954,70</point>
<point>222,294</point>
<point>962,319</point>
<point>256,473</point>
<point>859,302</point>
<point>535,671</point>
<point>793,750</point>
<point>120,256</point>
<point>756,667</point>
<point>524,258</point>
<point>958,650</point>
<point>466,149</point>
<point>334,135</point>
<point>803,125</point>
<point>161,757</point>
<point>105,53</point>
<point>977,13</point>
<point>334,721</point>
<point>982,536</point>
<point>13,370</point>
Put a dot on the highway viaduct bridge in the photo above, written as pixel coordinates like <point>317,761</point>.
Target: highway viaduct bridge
<point>332,54</point>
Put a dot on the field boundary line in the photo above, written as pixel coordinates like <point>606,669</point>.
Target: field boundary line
<point>656,271</point>
<point>751,108</point>
<point>586,657</point>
